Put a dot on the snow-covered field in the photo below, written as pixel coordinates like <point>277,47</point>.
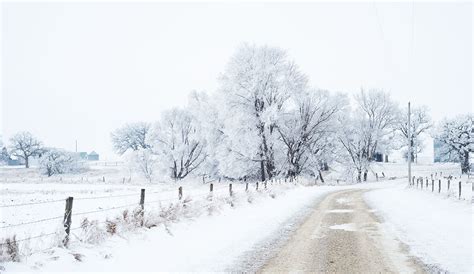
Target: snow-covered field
<point>32,206</point>
<point>436,228</point>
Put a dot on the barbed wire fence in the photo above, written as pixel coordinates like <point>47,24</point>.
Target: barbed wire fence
<point>65,220</point>
<point>450,186</point>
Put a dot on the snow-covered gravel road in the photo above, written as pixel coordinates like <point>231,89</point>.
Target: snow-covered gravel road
<point>342,235</point>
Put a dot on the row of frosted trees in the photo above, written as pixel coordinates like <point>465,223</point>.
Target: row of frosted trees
<point>266,121</point>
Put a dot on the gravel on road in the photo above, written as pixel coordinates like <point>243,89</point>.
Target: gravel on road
<point>342,235</point>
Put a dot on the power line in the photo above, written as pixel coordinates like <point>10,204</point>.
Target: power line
<point>382,36</point>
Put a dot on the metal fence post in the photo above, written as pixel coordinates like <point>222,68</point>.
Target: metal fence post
<point>459,190</point>
<point>67,219</point>
<point>142,206</point>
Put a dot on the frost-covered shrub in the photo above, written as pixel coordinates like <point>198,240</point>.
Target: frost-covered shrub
<point>185,209</point>
<point>250,197</point>
<point>9,250</point>
<point>111,227</point>
<point>55,161</point>
<point>137,217</point>
<point>165,215</point>
<point>91,232</point>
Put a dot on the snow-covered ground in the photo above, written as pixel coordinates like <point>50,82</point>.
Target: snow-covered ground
<point>22,204</point>
<point>206,235</point>
<point>208,243</point>
<point>436,228</point>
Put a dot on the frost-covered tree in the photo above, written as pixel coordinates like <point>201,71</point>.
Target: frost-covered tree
<point>176,141</point>
<point>4,155</point>
<point>24,145</point>
<point>131,136</point>
<point>306,128</point>
<point>367,129</point>
<point>323,153</point>
<point>457,137</point>
<point>420,121</point>
<point>144,162</point>
<point>352,135</point>
<point>204,109</point>
<point>56,161</point>
<point>254,88</point>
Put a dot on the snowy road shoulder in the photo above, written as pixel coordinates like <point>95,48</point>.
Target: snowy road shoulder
<point>438,230</point>
<point>208,243</point>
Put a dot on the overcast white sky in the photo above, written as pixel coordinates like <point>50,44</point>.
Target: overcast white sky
<point>78,71</point>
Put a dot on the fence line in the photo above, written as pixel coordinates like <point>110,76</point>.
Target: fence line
<point>33,203</point>
<point>67,220</point>
<point>105,197</point>
<point>32,222</point>
<point>30,238</point>
<point>425,183</point>
<point>102,210</point>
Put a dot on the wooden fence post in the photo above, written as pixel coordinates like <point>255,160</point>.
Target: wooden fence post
<point>246,186</point>
<point>426,182</point>
<point>142,206</point>
<point>180,192</point>
<point>211,187</point>
<point>459,190</point>
<point>449,183</point>
<point>230,190</point>
<point>256,188</point>
<point>432,185</point>
<point>417,182</point>
<point>67,219</point>
<point>103,179</point>
<point>439,186</point>
<point>265,184</point>
<point>376,176</point>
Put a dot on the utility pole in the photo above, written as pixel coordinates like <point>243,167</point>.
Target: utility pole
<point>409,144</point>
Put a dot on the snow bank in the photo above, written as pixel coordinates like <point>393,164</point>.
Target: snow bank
<point>438,230</point>
<point>209,243</point>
